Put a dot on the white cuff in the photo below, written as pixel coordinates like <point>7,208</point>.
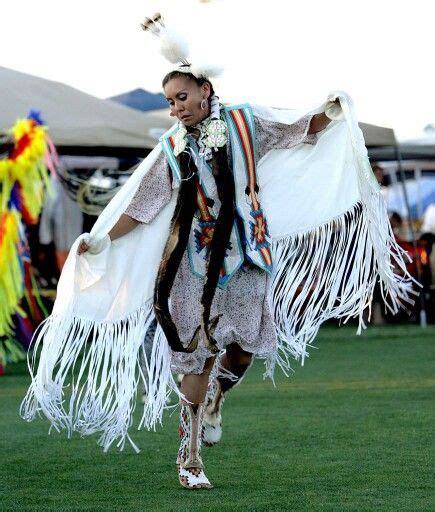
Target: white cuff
<point>97,246</point>
<point>333,110</point>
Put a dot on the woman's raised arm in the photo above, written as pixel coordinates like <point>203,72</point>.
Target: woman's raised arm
<point>332,112</point>
<point>318,123</point>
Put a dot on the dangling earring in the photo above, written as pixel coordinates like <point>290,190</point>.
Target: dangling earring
<point>203,104</point>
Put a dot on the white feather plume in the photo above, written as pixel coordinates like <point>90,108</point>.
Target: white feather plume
<point>207,70</point>
<point>173,46</point>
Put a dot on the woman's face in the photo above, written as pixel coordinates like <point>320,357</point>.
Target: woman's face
<point>184,97</point>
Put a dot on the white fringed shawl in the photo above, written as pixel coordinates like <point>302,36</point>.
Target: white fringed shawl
<point>331,242</point>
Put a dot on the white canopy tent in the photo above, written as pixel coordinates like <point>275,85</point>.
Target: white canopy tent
<point>414,149</point>
<point>77,119</point>
<point>375,136</point>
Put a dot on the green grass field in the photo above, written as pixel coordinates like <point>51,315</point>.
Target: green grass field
<point>348,432</point>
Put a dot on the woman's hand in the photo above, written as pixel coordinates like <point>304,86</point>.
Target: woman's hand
<point>93,246</point>
<point>83,247</point>
<point>123,226</point>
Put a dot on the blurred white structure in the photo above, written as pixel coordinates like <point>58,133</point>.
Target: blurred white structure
<point>77,119</point>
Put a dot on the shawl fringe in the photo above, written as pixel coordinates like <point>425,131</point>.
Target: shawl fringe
<point>331,272</point>
<point>89,372</point>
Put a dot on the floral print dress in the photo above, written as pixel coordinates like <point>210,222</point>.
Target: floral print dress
<point>243,303</point>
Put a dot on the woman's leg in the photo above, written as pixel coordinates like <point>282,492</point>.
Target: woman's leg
<point>194,387</point>
<point>190,467</point>
<point>237,361</point>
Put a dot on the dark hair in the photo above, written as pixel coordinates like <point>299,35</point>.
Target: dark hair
<point>397,217</point>
<point>375,166</point>
<point>179,74</point>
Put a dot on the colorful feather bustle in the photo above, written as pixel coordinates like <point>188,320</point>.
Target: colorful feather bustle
<point>23,187</point>
<point>25,168</point>
<point>11,278</point>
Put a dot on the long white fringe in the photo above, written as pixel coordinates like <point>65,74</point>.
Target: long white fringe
<point>99,363</point>
<point>331,272</point>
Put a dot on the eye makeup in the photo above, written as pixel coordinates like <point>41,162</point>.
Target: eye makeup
<point>182,96</point>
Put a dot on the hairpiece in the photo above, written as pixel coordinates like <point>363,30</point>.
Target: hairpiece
<point>175,49</point>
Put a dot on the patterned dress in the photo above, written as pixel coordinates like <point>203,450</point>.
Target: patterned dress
<point>246,317</point>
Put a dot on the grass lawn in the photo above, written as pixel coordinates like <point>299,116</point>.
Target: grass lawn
<point>348,432</point>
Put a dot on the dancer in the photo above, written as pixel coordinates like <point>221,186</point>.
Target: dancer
<point>241,233</point>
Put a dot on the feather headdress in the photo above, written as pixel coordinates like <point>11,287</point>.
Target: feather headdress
<point>175,48</point>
